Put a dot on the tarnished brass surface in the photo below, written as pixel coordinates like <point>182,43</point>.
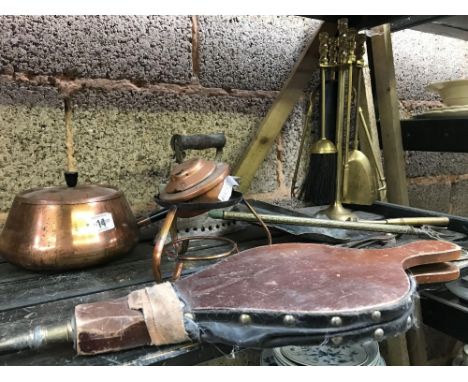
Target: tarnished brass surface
<point>336,211</point>
<point>323,145</point>
<point>314,222</point>
<point>58,228</point>
<point>420,220</point>
<point>360,183</point>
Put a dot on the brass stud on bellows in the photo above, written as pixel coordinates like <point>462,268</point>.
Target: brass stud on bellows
<point>337,340</point>
<point>289,319</point>
<point>245,319</point>
<point>409,321</point>
<point>379,334</point>
<point>336,321</point>
<point>376,316</point>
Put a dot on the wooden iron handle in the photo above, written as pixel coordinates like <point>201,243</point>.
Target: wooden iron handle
<point>180,143</point>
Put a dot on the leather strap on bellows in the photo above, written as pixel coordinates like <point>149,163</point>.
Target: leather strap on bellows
<point>163,313</point>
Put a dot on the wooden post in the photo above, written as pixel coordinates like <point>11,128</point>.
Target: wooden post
<point>389,115</point>
<point>416,340</point>
<point>279,112</point>
<point>394,160</point>
<point>396,353</point>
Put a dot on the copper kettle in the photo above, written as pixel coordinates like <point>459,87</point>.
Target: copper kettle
<point>67,227</point>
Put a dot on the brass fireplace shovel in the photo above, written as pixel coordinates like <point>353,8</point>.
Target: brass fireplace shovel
<point>360,183</point>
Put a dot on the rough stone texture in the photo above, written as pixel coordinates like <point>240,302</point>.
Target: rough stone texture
<point>32,144</point>
<point>128,133</point>
<point>422,58</point>
<point>22,94</point>
<point>251,52</point>
<point>459,198</point>
<point>121,138</point>
<point>432,196</point>
<point>421,163</point>
<point>139,48</point>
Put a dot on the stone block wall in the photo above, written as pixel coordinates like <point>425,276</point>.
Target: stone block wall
<point>136,80</point>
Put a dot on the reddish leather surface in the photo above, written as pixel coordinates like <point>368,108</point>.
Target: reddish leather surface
<point>106,326</point>
<point>310,278</point>
<point>435,273</point>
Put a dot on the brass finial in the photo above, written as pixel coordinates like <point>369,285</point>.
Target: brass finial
<point>342,25</point>
<point>343,41</point>
<point>323,49</point>
<point>351,41</point>
<point>332,52</point>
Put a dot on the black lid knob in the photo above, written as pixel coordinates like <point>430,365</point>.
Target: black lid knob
<point>71,178</point>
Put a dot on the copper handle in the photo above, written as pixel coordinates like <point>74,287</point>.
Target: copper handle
<point>183,243</point>
<point>160,241</point>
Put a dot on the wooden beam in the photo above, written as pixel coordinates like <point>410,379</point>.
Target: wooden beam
<point>394,160</point>
<point>279,112</point>
<point>389,115</point>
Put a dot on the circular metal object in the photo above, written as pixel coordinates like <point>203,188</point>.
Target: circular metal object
<point>188,174</point>
<point>376,316</point>
<point>379,334</point>
<point>185,209</point>
<point>83,193</point>
<point>245,319</point>
<point>336,321</point>
<point>184,242</point>
<point>289,319</point>
<point>203,182</point>
<point>353,354</point>
<point>180,243</point>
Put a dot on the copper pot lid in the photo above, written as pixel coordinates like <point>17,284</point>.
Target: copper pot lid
<point>193,178</point>
<point>83,193</point>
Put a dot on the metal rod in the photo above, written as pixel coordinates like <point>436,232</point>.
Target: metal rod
<point>307,119</point>
<point>322,79</point>
<point>38,337</point>
<point>441,221</point>
<point>383,182</point>
<point>336,211</point>
<point>313,222</point>
<point>71,161</point>
<point>339,135</point>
